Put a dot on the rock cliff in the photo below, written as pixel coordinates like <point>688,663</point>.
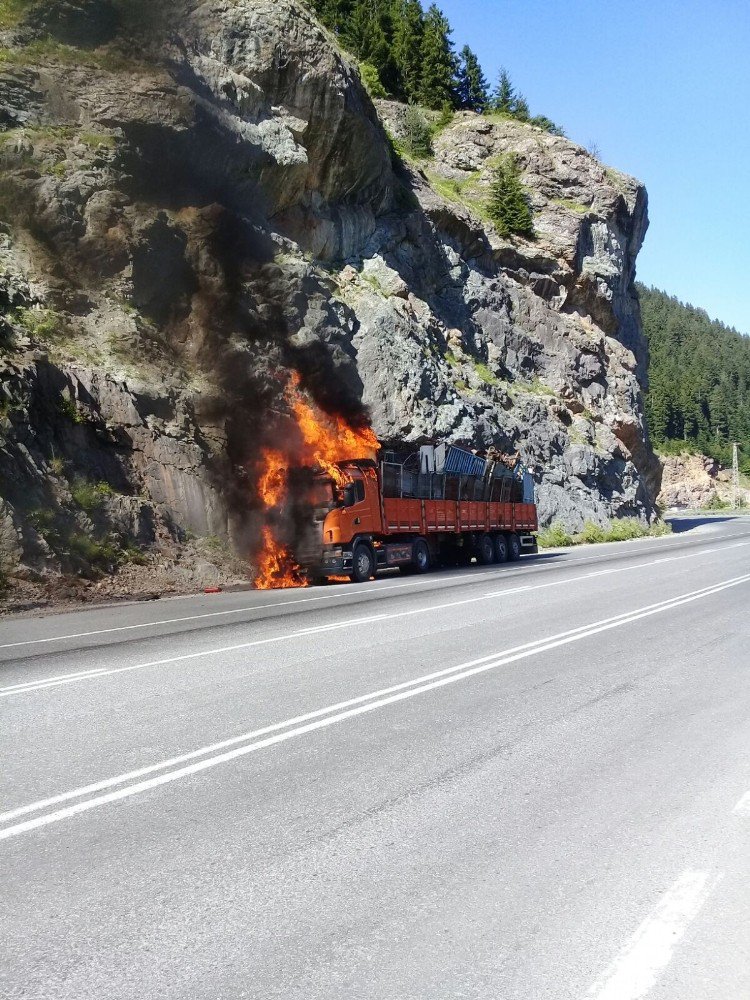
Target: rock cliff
<point>200,196</point>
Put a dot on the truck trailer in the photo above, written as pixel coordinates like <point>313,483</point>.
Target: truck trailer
<point>440,506</point>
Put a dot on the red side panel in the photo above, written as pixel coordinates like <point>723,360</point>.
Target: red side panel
<point>402,516</point>
<point>420,517</point>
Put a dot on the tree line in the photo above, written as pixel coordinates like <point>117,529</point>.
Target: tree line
<point>699,379</point>
<point>407,53</point>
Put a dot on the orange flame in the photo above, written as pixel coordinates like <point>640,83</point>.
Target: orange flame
<point>329,439</point>
<point>326,440</point>
<point>272,484</point>
<point>276,567</point>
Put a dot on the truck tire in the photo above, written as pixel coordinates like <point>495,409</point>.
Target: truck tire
<point>514,547</point>
<point>501,549</point>
<point>363,564</point>
<point>485,551</point>
<point>421,557</point>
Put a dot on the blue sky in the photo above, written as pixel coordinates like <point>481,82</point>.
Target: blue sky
<point>662,87</point>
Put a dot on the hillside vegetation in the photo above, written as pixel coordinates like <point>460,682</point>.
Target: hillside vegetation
<point>699,380</point>
<point>407,53</point>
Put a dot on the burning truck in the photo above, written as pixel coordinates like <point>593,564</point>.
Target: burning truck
<point>440,505</point>
<point>336,504</point>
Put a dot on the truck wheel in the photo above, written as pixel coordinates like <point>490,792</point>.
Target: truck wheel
<point>363,564</point>
<point>514,547</point>
<point>421,556</point>
<point>485,551</point>
<point>501,549</point>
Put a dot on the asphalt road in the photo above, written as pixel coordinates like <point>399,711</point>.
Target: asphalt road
<point>509,783</point>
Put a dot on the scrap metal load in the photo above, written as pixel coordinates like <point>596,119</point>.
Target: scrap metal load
<point>447,472</point>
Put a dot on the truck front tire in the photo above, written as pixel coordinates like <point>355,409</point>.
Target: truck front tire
<point>421,556</point>
<point>363,564</point>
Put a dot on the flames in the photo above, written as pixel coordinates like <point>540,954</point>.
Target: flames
<point>329,439</point>
<point>272,483</point>
<point>276,567</point>
<point>322,440</point>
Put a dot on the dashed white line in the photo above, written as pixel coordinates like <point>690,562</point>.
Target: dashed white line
<point>637,968</point>
<point>328,716</point>
<point>743,806</point>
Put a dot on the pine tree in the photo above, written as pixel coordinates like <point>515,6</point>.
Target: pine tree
<point>471,82</point>
<point>417,138</point>
<point>408,28</point>
<point>504,95</point>
<point>366,34</point>
<point>521,109</point>
<point>436,86</point>
<point>334,14</point>
<point>509,205</point>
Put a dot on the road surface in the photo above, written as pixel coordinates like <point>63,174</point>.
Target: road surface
<point>512,783</point>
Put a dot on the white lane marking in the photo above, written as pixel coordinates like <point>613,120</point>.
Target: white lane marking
<point>636,969</point>
<point>743,806</point>
<point>49,682</point>
<point>43,683</point>
<point>329,716</point>
<point>61,678</point>
<point>383,587</point>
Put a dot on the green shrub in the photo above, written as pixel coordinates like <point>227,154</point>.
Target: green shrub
<point>41,518</point>
<point>620,530</point>
<point>11,12</point>
<point>132,554</point>
<point>42,324</point>
<point>591,534</point>
<point>444,119</point>
<point>484,373</point>
<point>98,554</point>
<point>623,529</point>
<point>95,140</point>
<point>68,408</point>
<point>660,528</point>
<point>716,503</point>
<point>371,80</point>
<point>90,496</point>
<point>554,537</point>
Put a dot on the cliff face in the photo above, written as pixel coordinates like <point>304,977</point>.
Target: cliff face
<point>202,197</point>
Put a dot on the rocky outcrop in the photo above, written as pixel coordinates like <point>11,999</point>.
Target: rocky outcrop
<point>691,482</point>
<point>203,197</point>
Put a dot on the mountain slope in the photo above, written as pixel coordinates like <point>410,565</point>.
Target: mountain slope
<point>203,198</point>
<point>699,376</point>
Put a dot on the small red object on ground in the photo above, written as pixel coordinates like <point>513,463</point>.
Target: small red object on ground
<point>212,590</point>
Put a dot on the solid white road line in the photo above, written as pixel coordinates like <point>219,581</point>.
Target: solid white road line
<point>383,587</point>
<point>636,969</point>
<point>743,806</point>
<point>58,680</point>
<point>328,716</point>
